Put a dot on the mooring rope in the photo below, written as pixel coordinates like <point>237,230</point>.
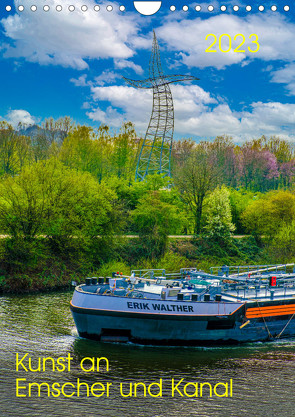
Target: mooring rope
<point>269,334</point>
<point>266,327</point>
<point>279,335</point>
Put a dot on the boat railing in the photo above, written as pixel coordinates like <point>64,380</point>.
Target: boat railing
<point>154,273</point>
<point>243,270</point>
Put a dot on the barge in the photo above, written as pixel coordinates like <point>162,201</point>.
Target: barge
<point>188,308</point>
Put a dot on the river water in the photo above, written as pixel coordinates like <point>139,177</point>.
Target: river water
<point>263,375</point>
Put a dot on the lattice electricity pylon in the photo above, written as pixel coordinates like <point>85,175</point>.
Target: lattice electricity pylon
<point>155,153</point>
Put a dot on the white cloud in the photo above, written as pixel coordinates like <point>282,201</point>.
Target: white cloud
<point>197,113</point>
<point>110,117</point>
<point>14,117</point>
<point>80,81</point>
<point>262,119</point>
<point>134,104</point>
<point>71,39</point>
<point>106,77</point>
<point>285,75</point>
<point>275,35</point>
<point>4,46</point>
<point>66,38</point>
<point>123,63</point>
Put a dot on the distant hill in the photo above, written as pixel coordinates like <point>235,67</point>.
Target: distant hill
<point>35,131</point>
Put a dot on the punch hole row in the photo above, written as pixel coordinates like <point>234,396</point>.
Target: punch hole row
<point>122,8</point>
<point>224,8</point>
<point>71,8</point>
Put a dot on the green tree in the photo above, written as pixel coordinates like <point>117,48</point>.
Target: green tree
<point>14,150</point>
<point>239,201</point>
<point>42,146</point>
<point>100,153</point>
<point>123,157</point>
<point>79,151</point>
<point>281,148</point>
<point>268,214</point>
<point>153,220</point>
<point>196,178</point>
<point>218,226</point>
<point>49,198</point>
<point>77,215</point>
<point>58,129</point>
<point>283,243</point>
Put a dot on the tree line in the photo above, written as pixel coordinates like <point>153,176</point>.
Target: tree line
<point>74,186</point>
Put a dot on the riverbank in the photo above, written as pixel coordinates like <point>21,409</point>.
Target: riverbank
<point>42,265</point>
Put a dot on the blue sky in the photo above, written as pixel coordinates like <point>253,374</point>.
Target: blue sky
<point>71,63</point>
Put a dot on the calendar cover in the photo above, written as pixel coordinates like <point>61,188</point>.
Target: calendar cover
<point>147,166</point>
